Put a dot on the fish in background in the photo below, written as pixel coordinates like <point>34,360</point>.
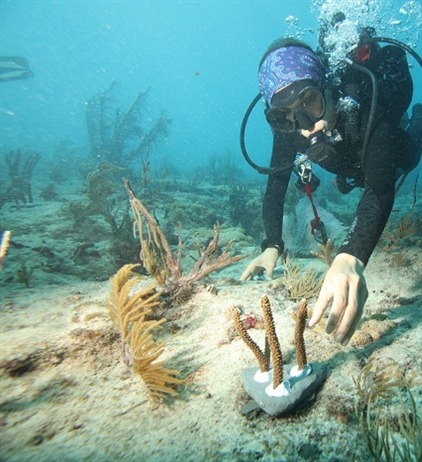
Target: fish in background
<point>14,68</point>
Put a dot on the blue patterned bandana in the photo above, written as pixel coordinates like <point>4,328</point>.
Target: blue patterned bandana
<point>287,65</point>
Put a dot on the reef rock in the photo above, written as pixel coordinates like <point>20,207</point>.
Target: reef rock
<point>302,389</point>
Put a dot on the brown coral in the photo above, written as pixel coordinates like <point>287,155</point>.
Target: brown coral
<point>299,340</point>
<point>272,352</point>
<point>259,355</point>
<point>277,357</point>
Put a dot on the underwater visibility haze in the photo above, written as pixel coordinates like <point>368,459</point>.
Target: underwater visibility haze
<point>128,214</point>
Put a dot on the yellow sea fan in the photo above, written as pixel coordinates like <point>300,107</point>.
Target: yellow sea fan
<point>129,312</point>
<point>125,309</point>
<point>159,379</point>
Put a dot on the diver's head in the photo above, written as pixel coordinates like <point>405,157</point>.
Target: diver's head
<point>291,80</point>
<point>299,106</point>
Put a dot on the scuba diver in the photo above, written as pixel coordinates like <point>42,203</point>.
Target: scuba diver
<point>350,126</point>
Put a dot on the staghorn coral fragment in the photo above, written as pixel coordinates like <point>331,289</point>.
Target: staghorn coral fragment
<point>277,356</point>
<point>259,355</point>
<point>299,340</point>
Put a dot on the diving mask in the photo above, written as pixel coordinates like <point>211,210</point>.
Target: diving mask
<point>302,114</point>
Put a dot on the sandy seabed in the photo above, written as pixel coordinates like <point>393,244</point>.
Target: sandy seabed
<point>66,395</point>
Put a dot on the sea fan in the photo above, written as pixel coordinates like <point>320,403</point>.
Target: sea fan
<point>139,348</point>
<point>297,235</point>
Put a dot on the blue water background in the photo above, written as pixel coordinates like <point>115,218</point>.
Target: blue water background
<point>199,60</point>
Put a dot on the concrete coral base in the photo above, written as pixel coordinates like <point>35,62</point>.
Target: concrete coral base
<point>302,389</point>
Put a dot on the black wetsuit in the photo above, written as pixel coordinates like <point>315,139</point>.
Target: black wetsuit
<point>389,150</point>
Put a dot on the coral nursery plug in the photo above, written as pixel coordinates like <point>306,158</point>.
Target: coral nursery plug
<point>285,388</point>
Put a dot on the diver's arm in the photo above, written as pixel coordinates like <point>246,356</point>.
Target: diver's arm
<point>283,156</point>
<point>377,200</point>
<point>394,96</point>
<point>344,284</point>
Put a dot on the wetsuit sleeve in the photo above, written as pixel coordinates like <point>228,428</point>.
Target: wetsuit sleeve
<point>377,200</point>
<point>395,88</point>
<point>283,156</point>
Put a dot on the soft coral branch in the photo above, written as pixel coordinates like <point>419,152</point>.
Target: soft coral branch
<point>158,258</point>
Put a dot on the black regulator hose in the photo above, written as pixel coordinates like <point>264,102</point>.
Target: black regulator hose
<point>258,168</point>
<point>374,82</point>
<point>264,170</point>
<point>372,111</point>
<point>405,47</point>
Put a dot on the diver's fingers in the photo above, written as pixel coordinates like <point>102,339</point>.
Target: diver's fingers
<point>340,301</point>
<point>269,269</point>
<point>246,275</point>
<point>344,339</point>
<point>250,270</point>
<point>354,311</point>
<point>324,299</point>
<point>350,318</point>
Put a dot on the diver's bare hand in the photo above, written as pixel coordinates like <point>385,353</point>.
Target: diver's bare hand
<point>345,286</point>
<point>264,262</point>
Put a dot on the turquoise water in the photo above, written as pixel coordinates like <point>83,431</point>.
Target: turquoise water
<point>199,58</point>
<point>198,61</point>
<point>65,395</point>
